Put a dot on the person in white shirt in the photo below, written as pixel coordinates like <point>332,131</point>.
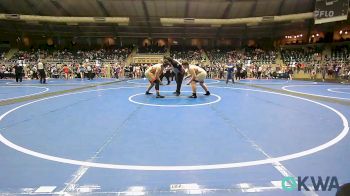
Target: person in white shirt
<point>41,70</point>
<point>35,72</point>
<point>81,70</point>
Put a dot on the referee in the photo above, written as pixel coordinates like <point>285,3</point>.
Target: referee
<point>19,71</point>
<point>179,73</point>
<point>41,70</point>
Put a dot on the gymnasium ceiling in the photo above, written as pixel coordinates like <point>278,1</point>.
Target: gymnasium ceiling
<point>145,17</point>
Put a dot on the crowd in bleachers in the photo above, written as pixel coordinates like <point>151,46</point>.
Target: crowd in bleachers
<point>299,55</point>
<point>119,54</point>
<point>102,62</point>
<point>310,61</point>
<point>254,55</point>
<point>245,70</point>
<point>248,62</point>
<point>260,56</point>
<point>341,53</point>
<point>339,62</point>
<point>329,69</point>
<point>3,52</point>
<point>57,70</point>
<point>220,55</point>
<point>187,53</point>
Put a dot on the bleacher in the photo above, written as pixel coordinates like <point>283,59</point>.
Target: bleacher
<point>300,55</point>
<point>254,55</point>
<point>152,49</point>
<point>340,54</point>
<point>186,53</point>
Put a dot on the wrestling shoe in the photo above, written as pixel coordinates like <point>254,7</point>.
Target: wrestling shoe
<point>193,96</point>
<point>207,93</point>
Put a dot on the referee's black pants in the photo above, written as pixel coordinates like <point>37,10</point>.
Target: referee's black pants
<point>42,75</point>
<point>19,77</point>
<point>179,77</point>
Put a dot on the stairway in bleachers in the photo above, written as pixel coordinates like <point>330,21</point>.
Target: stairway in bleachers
<point>11,53</point>
<point>130,57</point>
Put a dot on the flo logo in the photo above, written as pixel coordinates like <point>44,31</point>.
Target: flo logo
<point>319,184</point>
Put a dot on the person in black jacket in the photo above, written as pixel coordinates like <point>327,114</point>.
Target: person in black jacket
<point>18,72</point>
<point>179,71</point>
